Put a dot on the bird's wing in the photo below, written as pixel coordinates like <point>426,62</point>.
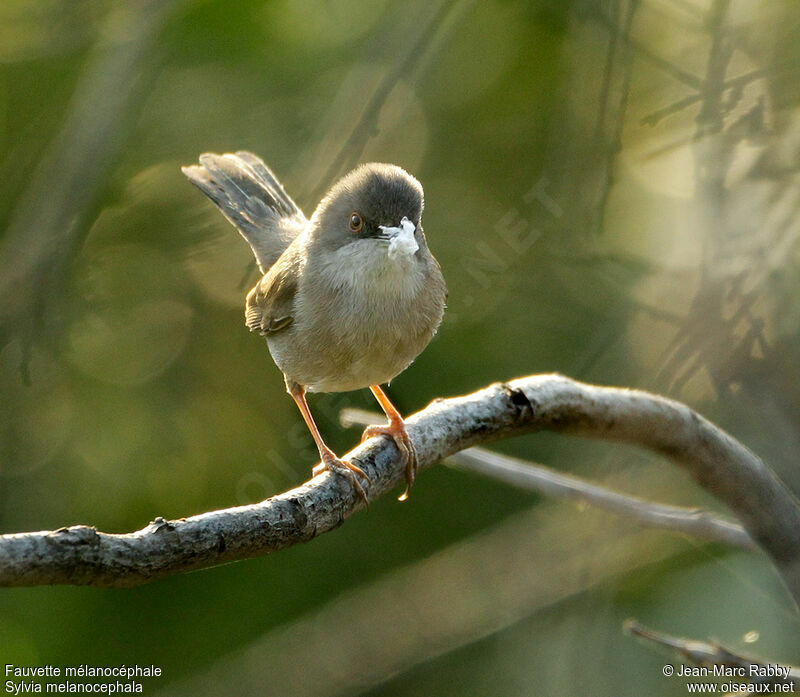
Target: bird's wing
<point>270,304</point>
<point>252,198</point>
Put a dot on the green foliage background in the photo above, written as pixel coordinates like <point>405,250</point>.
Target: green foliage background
<point>573,236</point>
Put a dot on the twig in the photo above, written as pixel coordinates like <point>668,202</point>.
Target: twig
<point>654,117</point>
<point>645,53</point>
<point>541,479</point>
<point>748,670</point>
<point>770,513</point>
<point>611,113</point>
<point>738,82</point>
<point>536,477</point>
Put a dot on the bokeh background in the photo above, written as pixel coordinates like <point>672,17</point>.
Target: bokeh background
<point>612,191</point>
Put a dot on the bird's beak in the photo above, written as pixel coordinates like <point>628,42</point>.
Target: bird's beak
<point>401,238</point>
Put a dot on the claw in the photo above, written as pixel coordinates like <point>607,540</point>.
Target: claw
<point>346,469</point>
<point>408,453</point>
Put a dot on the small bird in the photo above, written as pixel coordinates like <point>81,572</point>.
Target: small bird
<point>348,298</point>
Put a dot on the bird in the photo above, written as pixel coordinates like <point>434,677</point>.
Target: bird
<point>348,298</point>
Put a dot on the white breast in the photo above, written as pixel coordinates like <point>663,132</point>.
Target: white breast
<point>374,268</point>
<point>364,327</point>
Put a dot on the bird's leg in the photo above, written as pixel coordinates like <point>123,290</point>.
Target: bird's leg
<point>396,429</point>
<point>328,459</point>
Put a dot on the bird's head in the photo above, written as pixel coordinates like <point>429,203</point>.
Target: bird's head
<point>378,206</point>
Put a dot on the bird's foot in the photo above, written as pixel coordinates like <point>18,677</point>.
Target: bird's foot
<point>397,431</point>
<point>344,468</point>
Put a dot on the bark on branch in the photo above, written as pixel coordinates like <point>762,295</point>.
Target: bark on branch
<point>81,555</point>
<point>532,476</point>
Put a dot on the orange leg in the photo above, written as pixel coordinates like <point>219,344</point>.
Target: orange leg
<point>328,459</point>
<point>396,429</point>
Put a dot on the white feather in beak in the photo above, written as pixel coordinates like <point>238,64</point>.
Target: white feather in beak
<point>401,239</point>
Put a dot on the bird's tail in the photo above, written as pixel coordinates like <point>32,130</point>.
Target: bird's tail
<point>252,198</point>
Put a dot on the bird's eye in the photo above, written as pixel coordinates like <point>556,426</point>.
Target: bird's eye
<point>356,222</point>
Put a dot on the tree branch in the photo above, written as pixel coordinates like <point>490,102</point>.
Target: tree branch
<point>541,479</point>
<point>534,477</point>
<point>83,556</point>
